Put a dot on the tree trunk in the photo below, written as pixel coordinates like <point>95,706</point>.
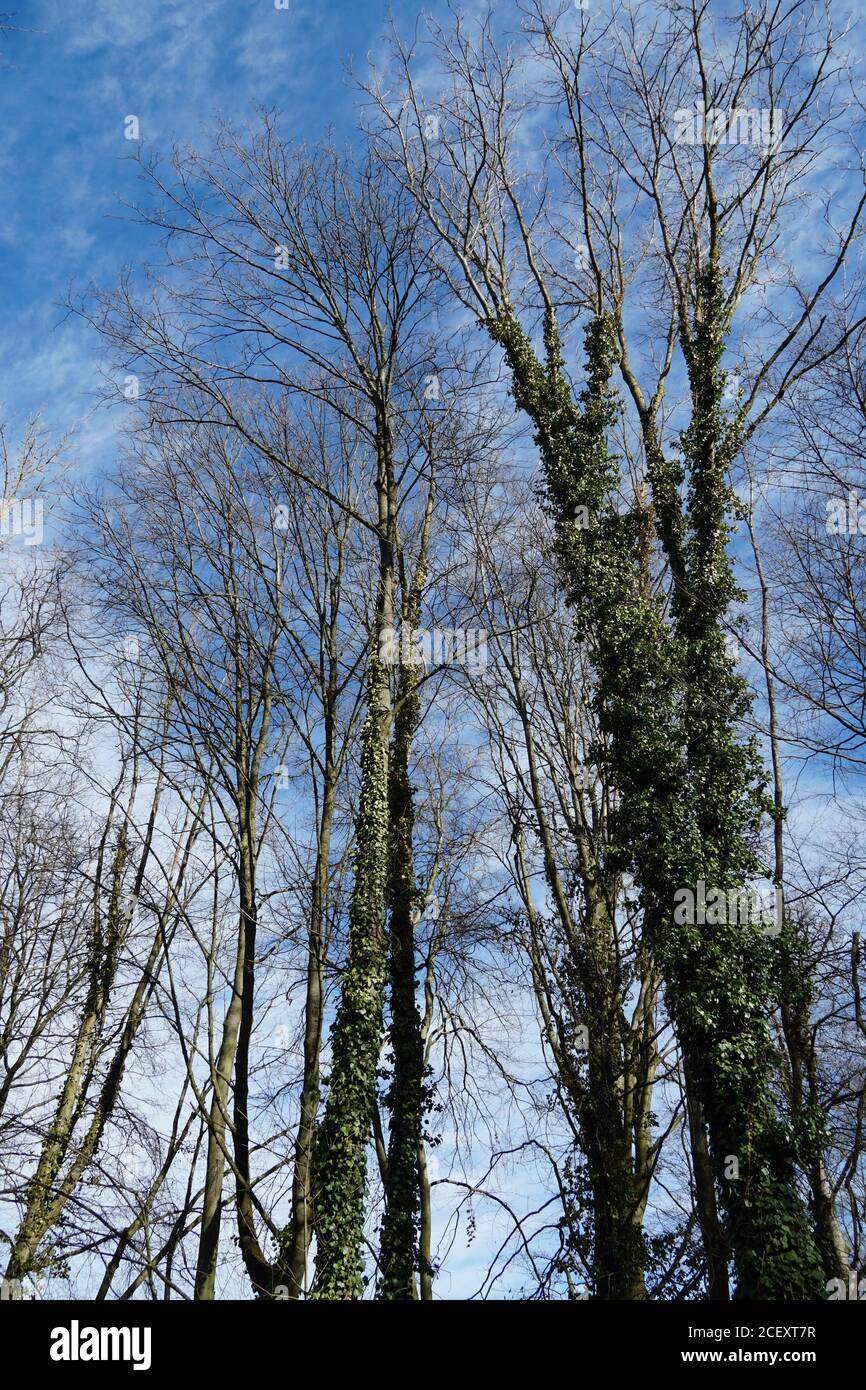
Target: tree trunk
<point>712,1232</point>
<point>47,1194</point>
<point>399,1244</point>
<point>209,1232</point>
<point>690,802</point>
<point>301,1232</point>
<point>340,1175</point>
<point>340,1183</point>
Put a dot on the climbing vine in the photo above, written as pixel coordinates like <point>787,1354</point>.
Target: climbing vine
<point>340,1174</point>
<point>669,703</point>
<point>405,1095</point>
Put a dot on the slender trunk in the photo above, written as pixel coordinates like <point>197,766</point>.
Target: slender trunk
<point>259,1269</point>
<point>301,1232</point>
<point>795,1023</point>
<point>618,1250</point>
<point>425,1235</point>
<point>129,1233</point>
<point>831,1242</point>
<point>426,1271</point>
<point>611,1101</point>
<point>399,1254</point>
<point>233,1060</point>
<point>47,1193</point>
<point>712,1231</point>
<point>209,1231</point>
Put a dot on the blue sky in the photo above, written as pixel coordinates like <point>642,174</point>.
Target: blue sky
<point>70,74</point>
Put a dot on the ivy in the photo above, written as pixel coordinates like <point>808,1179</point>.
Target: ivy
<point>691,793</point>
<point>340,1170</point>
<point>406,1094</point>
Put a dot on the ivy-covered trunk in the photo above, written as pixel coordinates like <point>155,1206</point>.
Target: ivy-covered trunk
<point>619,1254</point>
<point>340,1183</point>
<point>690,791</point>
<point>399,1257</point>
<point>618,1250</point>
<point>723,980</point>
<point>340,1162</point>
<point>605,1062</point>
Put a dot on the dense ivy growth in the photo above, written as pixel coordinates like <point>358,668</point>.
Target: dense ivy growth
<point>340,1175</point>
<point>690,789</point>
<point>405,1096</point>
